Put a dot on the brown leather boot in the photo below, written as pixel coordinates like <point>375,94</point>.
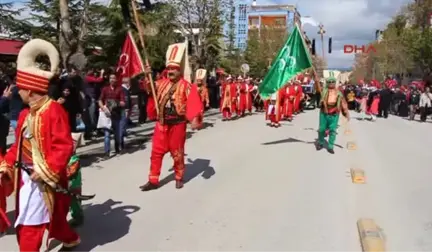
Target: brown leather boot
<point>179,184</point>
<point>148,187</point>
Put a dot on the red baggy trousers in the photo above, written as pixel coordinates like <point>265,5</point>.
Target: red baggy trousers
<point>30,238</point>
<point>167,138</point>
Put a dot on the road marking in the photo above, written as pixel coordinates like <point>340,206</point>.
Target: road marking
<point>371,236</point>
<point>351,145</point>
<point>358,176</point>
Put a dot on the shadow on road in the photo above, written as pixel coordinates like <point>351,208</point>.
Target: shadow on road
<point>192,170</point>
<point>11,216</point>
<point>95,155</point>
<point>207,125</point>
<point>294,140</point>
<point>105,223</point>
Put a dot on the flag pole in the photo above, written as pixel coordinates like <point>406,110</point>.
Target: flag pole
<point>147,63</point>
<point>316,84</point>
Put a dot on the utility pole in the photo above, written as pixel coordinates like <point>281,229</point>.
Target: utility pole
<point>322,32</point>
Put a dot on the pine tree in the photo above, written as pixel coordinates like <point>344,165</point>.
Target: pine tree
<point>253,55</point>
<point>8,13</point>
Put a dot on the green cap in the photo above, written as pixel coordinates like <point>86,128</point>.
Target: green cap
<point>331,78</point>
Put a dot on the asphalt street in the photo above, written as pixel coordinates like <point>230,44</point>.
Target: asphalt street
<point>251,187</point>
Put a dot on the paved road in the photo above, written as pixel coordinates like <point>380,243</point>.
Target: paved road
<point>251,187</point>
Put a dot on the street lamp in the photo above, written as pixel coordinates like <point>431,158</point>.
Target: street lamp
<point>322,32</point>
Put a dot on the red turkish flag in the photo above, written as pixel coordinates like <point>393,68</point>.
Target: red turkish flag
<point>130,63</point>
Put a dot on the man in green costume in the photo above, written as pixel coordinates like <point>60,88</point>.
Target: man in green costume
<point>331,105</point>
<point>75,182</point>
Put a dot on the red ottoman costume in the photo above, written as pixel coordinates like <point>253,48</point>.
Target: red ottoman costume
<point>200,79</point>
<point>274,110</point>
<point>44,145</point>
<point>178,102</point>
<point>228,99</point>
<point>288,104</point>
<point>6,190</point>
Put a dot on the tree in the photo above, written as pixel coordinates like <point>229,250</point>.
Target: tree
<point>405,47</point>
<point>65,23</point>
<point>253,55</point>
<point>8,14</point>
<point>272,39</point>
<point>262,47</point>
<point>205,16</point>
<point>319,64</point>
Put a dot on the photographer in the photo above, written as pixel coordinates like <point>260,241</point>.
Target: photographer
<point>93,85</point>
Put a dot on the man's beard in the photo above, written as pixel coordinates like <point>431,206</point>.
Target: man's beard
<point>173,76</point>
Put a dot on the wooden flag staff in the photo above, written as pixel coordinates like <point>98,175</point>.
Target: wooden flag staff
<point>141,38</point>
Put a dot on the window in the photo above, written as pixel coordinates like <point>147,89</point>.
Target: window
<point>242,31</point>
<point>242,12</point>
<point>254,21</point>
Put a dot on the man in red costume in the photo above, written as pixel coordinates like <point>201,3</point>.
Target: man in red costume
<point>200,81</point>
<point>178,102</point>
<point>229,97</point>
<point>245,98</point>
<point>249,98</point>
<point>288,103</point>
<point>150,106</point>
<point>6,190</point>
<point>299,96</point>
<point>274,112</point>
<point>44,145</point>
<point>242,96</point>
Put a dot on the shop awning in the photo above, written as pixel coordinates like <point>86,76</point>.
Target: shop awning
<point>10,47</point>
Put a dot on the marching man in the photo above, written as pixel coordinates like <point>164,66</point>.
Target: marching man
<point>288,104</point>
<point>36,163</point>
<point>200,79</point>
<point>179,102</point>
<point>332,104</point>
<point>274,109</point>
<point>299,96</point>
<point>228,99</point>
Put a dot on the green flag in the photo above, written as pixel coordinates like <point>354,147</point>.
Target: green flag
<point>291,60</point>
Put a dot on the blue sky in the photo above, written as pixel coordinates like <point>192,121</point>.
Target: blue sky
<point>347,21</point>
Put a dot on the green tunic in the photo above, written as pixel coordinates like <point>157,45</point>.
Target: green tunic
<point>328,121</point>
<point>75,184</point>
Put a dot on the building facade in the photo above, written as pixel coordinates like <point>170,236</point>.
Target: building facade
<point>250,16</point>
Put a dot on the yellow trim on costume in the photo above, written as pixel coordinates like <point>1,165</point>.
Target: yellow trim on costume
<point>34,124</point>
<point>4,167</point>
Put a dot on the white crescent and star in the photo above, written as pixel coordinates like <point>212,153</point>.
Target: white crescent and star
<point>291,59</point>
<point>124,62</point>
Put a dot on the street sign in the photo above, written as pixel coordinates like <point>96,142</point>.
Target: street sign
<point>245,68</point>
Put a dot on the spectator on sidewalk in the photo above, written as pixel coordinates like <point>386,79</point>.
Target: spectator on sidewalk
<point>425,104</point>
<point>413,101</point>
<point>70,101</point>
<point>15,106</point>
<point>4,120</point>
<point>126,110</point>
<point>112,102</point>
